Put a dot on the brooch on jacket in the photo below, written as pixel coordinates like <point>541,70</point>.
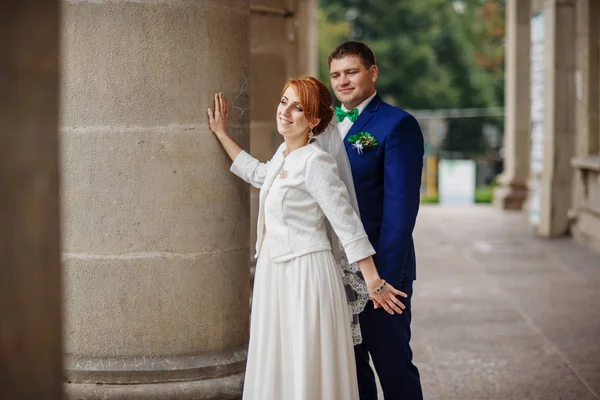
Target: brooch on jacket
<point>362,140</point>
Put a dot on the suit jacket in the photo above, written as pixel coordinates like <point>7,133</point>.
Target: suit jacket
<point>300,202</point>
<point>387,179</point>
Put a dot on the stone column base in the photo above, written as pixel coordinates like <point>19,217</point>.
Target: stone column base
<point>586,228</point>
<point>510,197</point>
<point>212,376</point>
<point>228,388</point>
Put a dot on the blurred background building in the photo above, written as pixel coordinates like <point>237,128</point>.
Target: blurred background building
<point>552,136</point>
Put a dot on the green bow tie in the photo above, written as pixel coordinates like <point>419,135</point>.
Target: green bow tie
<point>341,114</point>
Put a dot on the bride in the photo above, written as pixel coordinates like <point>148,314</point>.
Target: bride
<point>301,342</point>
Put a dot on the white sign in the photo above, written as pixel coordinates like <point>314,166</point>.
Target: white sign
<point>536,153</point>
<point>456,182</point>
<point>533,198</point>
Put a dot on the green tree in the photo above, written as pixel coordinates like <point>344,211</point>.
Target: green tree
<point>330,33</point>
<point>402,34</point>
<point>483,31</point>
<point>489,40</point>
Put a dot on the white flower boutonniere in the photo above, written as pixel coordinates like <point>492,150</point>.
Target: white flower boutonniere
<point>362,140</point>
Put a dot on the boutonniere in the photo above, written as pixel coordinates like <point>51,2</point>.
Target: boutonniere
<point>362,140</point>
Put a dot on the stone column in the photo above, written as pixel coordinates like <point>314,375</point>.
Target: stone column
<point>269,42</point>
<point>587,78</point>
<point>512,192</point>
<point>283,45</point>
<point>155,225</point>
<point>307,38</point>
<point>30,288</point>
<point>559,117</point>
<point>586,183</point>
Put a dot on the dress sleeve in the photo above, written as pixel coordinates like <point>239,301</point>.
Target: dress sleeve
<point>324,184</point>
<point>250,169</point>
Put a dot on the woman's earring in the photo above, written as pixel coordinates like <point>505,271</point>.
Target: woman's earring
<point>311,135</point>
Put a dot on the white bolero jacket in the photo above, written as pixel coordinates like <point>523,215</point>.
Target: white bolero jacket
<point>310,192</point>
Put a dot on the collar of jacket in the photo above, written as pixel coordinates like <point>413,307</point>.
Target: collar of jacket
<point>364,118</point>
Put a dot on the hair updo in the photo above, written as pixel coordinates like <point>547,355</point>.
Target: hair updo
<point>315,99</point>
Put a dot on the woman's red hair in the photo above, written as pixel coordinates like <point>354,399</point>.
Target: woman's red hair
<point>314,98</point>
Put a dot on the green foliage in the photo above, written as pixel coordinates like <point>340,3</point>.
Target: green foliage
<point>430,55</point>
<point>403,35</point>
<point>330,34</point>
<point>430,199</point>
<point>484,194</point>
<point>364,138</point>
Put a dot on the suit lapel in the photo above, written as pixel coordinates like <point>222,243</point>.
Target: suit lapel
<point>363,119</point>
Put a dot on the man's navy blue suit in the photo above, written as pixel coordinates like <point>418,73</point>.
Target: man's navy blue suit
<point>388,180</point>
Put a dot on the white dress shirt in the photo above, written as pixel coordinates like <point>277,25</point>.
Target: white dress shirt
<point>345,125</point>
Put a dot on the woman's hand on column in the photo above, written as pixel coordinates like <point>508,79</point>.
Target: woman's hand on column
<point>217,118</point>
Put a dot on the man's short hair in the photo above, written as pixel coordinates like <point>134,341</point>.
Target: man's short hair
<point>353,48</point>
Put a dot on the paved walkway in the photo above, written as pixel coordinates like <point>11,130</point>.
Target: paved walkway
<point>501,314</point>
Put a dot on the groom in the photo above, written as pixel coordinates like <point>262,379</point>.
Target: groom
<point>385,148</point>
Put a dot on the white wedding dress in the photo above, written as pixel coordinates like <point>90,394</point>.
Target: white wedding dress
<point>301,344</point>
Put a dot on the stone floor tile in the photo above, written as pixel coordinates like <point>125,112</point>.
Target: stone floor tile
<point>499,313</point>
<point>509,376</point>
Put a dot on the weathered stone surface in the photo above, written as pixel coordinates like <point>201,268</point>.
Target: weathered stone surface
<point>156,228</point>
<point>215,389</point>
